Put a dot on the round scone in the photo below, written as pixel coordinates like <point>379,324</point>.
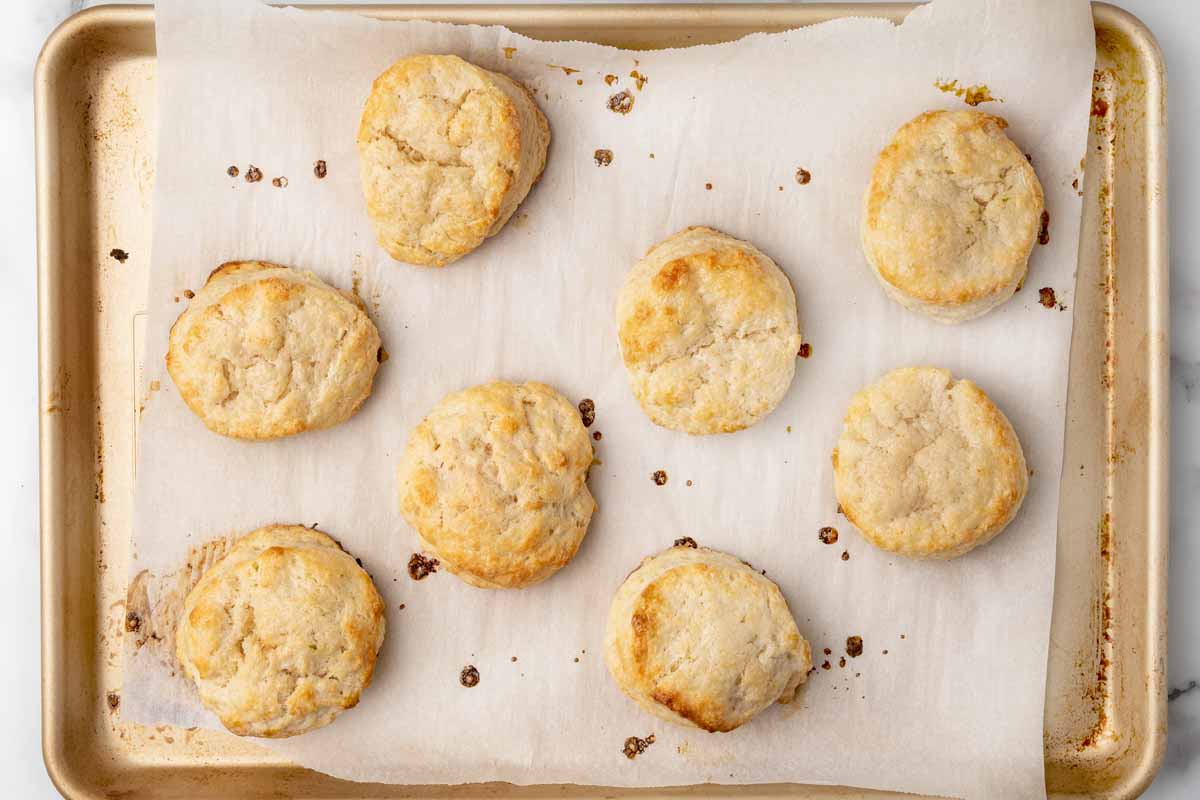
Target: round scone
<point>708,332</point>
<point>697,637</point>
<point>927,466</point>
<point>447,152</point>
<point>494,480</point>
<point>281,634</point>
<point>951,214</point>
<point>265,351</point>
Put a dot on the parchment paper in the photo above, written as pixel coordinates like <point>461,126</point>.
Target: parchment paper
<point>947,695</point>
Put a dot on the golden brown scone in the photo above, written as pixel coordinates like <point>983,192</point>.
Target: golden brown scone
<point>282,633</point>
<point>447,152</point>
<point>951,215</point>
<point>265,351</point>
<point>494,480</point>
<point>708,332</point>
<point>927,466</point>
<point>697,637</point>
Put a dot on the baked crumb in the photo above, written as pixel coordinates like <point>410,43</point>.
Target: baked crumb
<point>659,477</point>
<point>421,567</point>
<point>634,746</point>
<point>469,677</point>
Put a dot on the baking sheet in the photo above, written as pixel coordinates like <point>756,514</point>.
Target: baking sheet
<point>954,708</point>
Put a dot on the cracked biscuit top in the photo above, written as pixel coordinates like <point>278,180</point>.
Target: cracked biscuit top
<point>281,635</point>
<point>708,332</point>
<point>494,480</point>
<point>927,466</point>
<point>696,637</point>
<point>265,351</point>
<point>447,152</point>
<point>951,214</point>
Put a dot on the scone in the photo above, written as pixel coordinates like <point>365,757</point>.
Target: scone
<point>265,351</point>
<point>951,214</point>
<point>447,152</point>
<point>699,638</point>
<point>494,481</point>
<point>708,332</point>
<point>927,466</point>
<point>281,635</point>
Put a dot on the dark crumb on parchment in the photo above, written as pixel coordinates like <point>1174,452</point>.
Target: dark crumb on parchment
<point>420,567</point>
<point>610,79</point>
<point>685,541</point>
<point>826,665</point>
<point>1029,158</point>
<point>233,171</point>
<point>827,651</point>
<point>621,102</point>
<point>587,412</point>
<point>403,606</point>
<point>114,701</point>
<point>119,254</point>
<point>659,477</point>
<point>597,435</point>
<point>805,350</point>
<point>514,659</point>
<point>469,676</point>
<point>189,294</point>
<point>634,746</point>
<point>280,182</point>
<point>639,79</point>
<point>133,622</point>
<point>253,174</point>
<point>854,646</point>
<point>689,483</point>
<point>708,187</point>
<point>319,169</point>
<point>1044,231</point>
<point>1046,297</point>
<point>842,662</point>
<point>803,176</point>
<point>602,157</point>
<point>885,652</point>
<point>828,535</point>
<point>845,555</point>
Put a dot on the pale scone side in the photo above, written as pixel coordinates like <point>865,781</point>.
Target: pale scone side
<point>951,215</point>
<point>927,466</point>
<point>494,481</point>
<point>264,351</point>
<point>282,634</point>
<point>708,332</point>
<point>447,152</point>
<point>698,638</point>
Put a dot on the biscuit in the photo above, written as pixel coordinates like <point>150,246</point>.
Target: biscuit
<point>697,637</point>
<point>447,152</point>
<point>494,481</point>
<point>708,332</point>
<point>927,466</point>
<point>265,351</point>
<point>951,215</point>
<point>282,633</point>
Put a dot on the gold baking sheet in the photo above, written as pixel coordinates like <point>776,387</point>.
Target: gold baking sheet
<point>1105,725</point>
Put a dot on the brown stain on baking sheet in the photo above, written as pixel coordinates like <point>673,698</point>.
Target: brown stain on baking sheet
<point>587,411</point>
<point>971,95</point>
<point>469,677</point>
<point>421,567</point>
<point>635,746</point>
<point>621,102</point>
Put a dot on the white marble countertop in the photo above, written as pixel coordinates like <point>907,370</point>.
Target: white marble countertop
<point>1176,23</point>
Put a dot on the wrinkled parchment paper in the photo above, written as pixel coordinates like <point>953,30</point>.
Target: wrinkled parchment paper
<point>947,695</point>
